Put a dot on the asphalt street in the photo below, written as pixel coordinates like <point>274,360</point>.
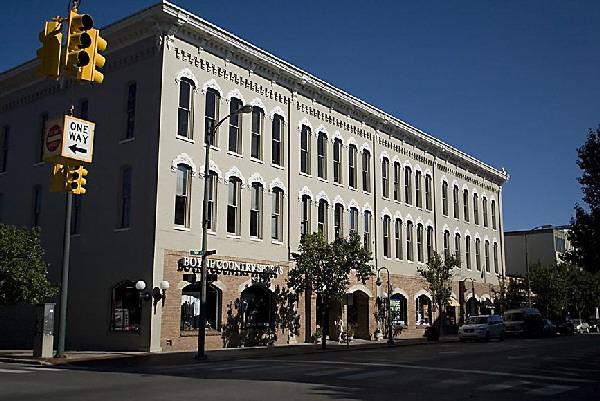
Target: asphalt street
<point>562,368</point>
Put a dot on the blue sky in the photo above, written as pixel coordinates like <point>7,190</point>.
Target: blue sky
<point>515,83</point>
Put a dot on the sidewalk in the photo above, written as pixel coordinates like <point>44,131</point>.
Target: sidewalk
<point>225,354</point>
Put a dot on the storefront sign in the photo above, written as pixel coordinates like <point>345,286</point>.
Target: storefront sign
<point>227,267</point>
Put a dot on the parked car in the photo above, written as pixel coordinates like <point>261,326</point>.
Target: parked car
<point>566,328</point>
<point>581,326</point>
<point>549,328</point>
<point>524,321</point>
<point>482,327</point>
<point>594,325</point>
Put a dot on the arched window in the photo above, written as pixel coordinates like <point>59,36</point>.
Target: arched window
<point>182,195</point>
<point>212,180</point>
<point>466,204</point>
<point>256,208</point>
<point>234,206</point>
<point>493,203</point>
<point>418,189</point>
<point>456,204</point>
<point>429,243</point>
<point>487,256</point>
<point>322,155</point>
<point>277,129</point>
<point>398,239</point>
<point>211,115</point>
<point>457,248</point>
<point>367,231</point>
<point>256,146</point>
<point>385,177</point>
<point>496,269</point>
<point>445,198</point>
<point>386,237</point>
<point>476,209</point>
<point>366,170</point>
<point>190,307</point>
<point>338,220</point>
<point>322,218</point>
<point>257,307</point>
<point>185,108</point>
<point>353,220</point>
<point>352,155</point>
<point>485,211</point>
<point>306,215</point>
<point>423,310</point>
<point>126,308</point>
<point>277,214</point>
<point>235,126</point>
<point>446,244</point>
<point>478,253</point>
<point>420,242</point>
<point>468,251</point>
<point>305,149</point>
<point>409,241</point>
<point>337,160</point>
<point>398,309</point>
<point>397,175</point>
<point>428,197</point>
<point>408,185</point>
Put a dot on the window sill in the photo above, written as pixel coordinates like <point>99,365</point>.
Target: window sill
<point>234,236</point>
<point>75,235</point>
<point>181,228</point>
<point>256,239</point>
<point>276,242</point>
<point>278,166</point>
<point>408,204</point>
<point>126,140</point>
<point>232,153</point>
<point>387,258</point>
<point>385,198</point>
<point>338,184</point>
<point>366,192</point>
<point>211,232</point>
<point>255,160</point>
<point>39,163</point>
<point>185,139</point>
<point>352,189</point>
<point>322,179</point>
<point>305,174</point>
<point>215,148</point>
<point>121,229</point>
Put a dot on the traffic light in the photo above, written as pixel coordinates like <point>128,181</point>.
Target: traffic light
<point>90,71</point>
<point>79,43</point>
<point>58,182</point>
<point>49,53</point>
<point>76,180</point>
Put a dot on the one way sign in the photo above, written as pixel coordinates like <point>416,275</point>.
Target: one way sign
<point>78,139</point>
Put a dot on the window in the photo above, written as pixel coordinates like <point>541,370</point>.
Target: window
<point>353,220</point>
<point>409,241</point>
<point>190,307</point>
<point>337,160</point>
<point>496,270</point>
<point>305,150</point>
<point>466,204</point>
<point>386,237</point>
<point>366,170</point>
<point>305,219</point>
<point>367,232</point>
<point>476,209</point>
<point>397,181</point>
<point>41,144</point>
<point>256,206</point>
<point>420,242</point>
<point>84,109</point>
<point>485,214</point>
<point>456,204</point>
<point>487,256</point>
<point>468,251</point>
<point>257,133</point>
<point>398,309</point>
<point>125,200</point>
<point>4,148</point>
<point>277,140</point>
<point>257,306</point>
<point>446,244</point>
<point>338,220</point>
<point>445,198</point>
<point>182,195</point>
<point>407,185</point>
<point>385,177</point>
<point>429,243</point>
<point>478,253</point>
<point>37,206</point>
<point>233,206</point>
<point>130,111</point>
<point>322,218</point>
<point>211,116</point>
<point>428,197</point>
<point>398,238</point>
<point>493,214</point>
<point>322,155</point>
<point>457,248</point>
<point>277,215</point>
<point>424,315</point>
<point>352,154</point>
<point>184,111</point>
<point>418,189</point>
<point>76,214</point>
<point>235,126</point>
<point>211,218</point>
<point>126,308</point>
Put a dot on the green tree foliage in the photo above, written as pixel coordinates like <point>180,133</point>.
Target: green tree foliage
<point>438,275</point>
<point>511,293</point>
<point>23,271</point>
<point>325,268</point>
<point>585,232</point>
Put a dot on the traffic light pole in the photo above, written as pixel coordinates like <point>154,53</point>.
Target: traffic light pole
<point>64,288</point>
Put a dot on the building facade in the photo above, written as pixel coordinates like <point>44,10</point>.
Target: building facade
<point>309,157</point>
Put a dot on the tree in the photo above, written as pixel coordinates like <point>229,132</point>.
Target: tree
<point>438,275</point>
<point>325,268</point>
<point>550,284</point>
<point>23,271</point>
<point>585,231</point>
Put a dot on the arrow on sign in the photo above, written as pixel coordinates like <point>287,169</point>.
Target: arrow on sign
<point>75,149</point>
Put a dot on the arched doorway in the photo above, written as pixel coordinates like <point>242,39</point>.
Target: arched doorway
<point>333,313</point>
<point>258,315</point>
<point>424,312</point>
<point>358,314</point>
<point>190,307</point>
<point>472,306</point>
<point>399,310</point>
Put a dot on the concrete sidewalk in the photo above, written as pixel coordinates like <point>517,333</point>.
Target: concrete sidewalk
<point>225,354</point>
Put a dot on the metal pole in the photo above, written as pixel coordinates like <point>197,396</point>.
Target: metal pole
<point>64,288</point>
<point>475,312</point>
<point>527,271</point>
<point>389,308</point>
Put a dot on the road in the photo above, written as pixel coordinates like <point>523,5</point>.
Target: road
<point>562,368</point>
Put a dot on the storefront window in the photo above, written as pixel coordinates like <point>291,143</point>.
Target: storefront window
<point>423,315</point>
<point>398,309</point>
<point>126,308</point>
<point>257,307</point>
<point>190,307</point>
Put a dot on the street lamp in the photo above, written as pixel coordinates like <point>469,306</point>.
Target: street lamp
<point>389,302</point>
<point>207,140</point>
<point>473,312</point>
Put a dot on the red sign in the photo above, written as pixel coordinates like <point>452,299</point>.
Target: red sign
<point>54,137</point>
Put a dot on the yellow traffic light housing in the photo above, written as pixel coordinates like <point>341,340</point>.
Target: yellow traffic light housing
<point>49,53</point>
<point>90,71</point>
<point>58,182</point>
<point>76,180</point>
<point>79,43</point>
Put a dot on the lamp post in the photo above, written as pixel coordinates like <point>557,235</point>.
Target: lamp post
<point>527,272</point>
<point>389,302</point>
<point>473,294</point>
<point>207,139</point>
